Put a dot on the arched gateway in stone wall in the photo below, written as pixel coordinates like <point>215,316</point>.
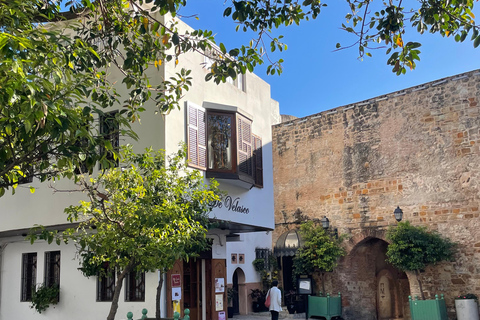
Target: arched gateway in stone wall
<point>371,287</point>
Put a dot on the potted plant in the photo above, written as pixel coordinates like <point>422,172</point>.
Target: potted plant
<point>258,300</point>
<point>413,249</point>
<point>267,269</point>
<point>230,296</point>
<point>466,306</point>
<point>319,254</point>
<point>290,301</point>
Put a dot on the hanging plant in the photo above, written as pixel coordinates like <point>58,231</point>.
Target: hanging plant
<point>43,296</point>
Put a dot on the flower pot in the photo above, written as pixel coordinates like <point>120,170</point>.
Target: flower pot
<point>291,308</point>
<point>230,312</point>
<point>467,309</point>
<point>257,306</point>
<point>430,309</point>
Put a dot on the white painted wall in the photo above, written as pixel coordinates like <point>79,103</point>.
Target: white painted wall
<point>247,245</point>
<point>77,293</point>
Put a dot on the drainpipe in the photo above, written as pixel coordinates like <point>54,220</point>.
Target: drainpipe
<point>2,248</point>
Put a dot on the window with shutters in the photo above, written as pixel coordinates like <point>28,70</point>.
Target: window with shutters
<point>222,143</point>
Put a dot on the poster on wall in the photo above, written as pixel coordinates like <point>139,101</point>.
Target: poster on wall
<point>176,282</point>
<point>176,306</point>
<point>304,286</point>
<point>176,293</point>
<point>218,302</point>
<point>221,315</point>
<point>219,285</point>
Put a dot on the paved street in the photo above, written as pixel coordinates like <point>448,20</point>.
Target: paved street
<point>266,316</point>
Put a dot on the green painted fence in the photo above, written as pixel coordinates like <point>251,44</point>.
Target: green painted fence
<point>176,315</point>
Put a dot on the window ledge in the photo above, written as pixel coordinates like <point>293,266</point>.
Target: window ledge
<point>237,179</point>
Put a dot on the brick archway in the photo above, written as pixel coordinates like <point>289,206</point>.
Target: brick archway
<point>363,273</point>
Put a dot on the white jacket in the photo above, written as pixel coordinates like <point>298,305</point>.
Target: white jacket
<point>275,299</point>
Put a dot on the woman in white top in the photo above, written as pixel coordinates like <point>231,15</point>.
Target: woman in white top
<point>275,300</point>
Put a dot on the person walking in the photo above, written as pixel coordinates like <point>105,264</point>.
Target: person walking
<point>275,300</point>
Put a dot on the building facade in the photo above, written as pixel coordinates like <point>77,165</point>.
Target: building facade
<point>417,149</point>
<point>227,128</point>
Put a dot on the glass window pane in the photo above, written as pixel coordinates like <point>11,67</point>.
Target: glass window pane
<point>219,142</point>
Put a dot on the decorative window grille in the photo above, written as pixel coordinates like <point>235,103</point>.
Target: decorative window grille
<point>29,275</point>
<point>105,283</point>
<point>135,286</point>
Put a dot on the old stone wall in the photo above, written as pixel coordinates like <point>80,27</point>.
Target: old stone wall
<point>417,149</point>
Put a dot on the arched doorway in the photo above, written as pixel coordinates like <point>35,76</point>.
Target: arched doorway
<point>239,301</point>
<point>376,290</point>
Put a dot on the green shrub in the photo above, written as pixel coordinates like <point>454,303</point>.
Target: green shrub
<point>43,296</point>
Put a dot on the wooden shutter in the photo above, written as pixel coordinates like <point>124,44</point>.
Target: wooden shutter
<point>245,150</point>
<point>196,136</point>
<point>257,161</point>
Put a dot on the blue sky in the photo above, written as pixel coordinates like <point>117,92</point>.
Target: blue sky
<point>315,78</point>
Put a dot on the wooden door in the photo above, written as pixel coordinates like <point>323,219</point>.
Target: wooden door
<point>192,293</point>
<point>174,280</point>
<point>216,269</point>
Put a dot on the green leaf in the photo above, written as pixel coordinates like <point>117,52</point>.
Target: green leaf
<point>222,48</point>
<point>476,42</point>
<point>227,12</point>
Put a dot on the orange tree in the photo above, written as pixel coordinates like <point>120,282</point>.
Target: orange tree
<point>320,252</point>
<point>413,248</point>
<point>141,217</point>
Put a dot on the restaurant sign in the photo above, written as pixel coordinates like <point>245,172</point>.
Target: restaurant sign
<point>231,204</point>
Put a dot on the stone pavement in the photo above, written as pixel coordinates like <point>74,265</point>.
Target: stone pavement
<point>266,316</point>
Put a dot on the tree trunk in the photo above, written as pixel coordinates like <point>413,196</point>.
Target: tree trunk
<point>159,291</point>
<point>417,273</point>
<point>116,291</point>
<point>323,283</point>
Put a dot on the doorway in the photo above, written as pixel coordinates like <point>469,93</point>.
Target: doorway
<point>192,293</point>
<point>239,301</point>
<point>379,289</point>
<point>236,308</point>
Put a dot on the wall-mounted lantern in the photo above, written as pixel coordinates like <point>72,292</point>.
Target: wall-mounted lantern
<point>398,213</point>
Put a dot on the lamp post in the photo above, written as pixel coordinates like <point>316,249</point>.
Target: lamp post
<point>398,213</point>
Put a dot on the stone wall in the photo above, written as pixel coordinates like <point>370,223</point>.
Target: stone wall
<point>417,149</point>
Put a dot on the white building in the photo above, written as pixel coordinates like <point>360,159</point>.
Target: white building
<point>247,107</point>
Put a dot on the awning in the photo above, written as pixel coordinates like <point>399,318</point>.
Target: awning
<point>288,244</point>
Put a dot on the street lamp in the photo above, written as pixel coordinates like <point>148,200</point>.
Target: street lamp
<point>325,222</point>
<point>398,213</point>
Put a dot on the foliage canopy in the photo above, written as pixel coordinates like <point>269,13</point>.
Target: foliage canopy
<point>413,248</point>
<point>55,67</point>
<point>320,252</point>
